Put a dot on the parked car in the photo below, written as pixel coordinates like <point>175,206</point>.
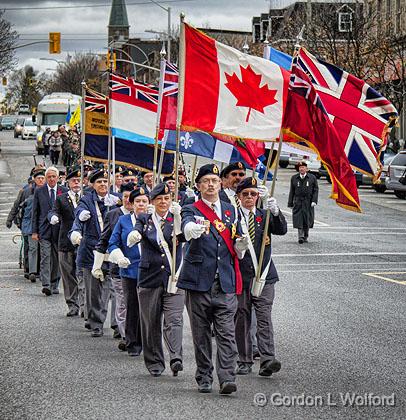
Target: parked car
<point>7,122</point>
<point>396,169</point>
<point>29,129</point>
<point>18,128</point>
<point>324,173</point>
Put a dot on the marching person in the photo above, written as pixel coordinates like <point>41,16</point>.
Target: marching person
<point>253,223</point>
<point>148,181</point>
<point>55,147</point>
<point>232,174</point>
<point>63,213</point>
<point>45,233</point>
<point>110,221</point>
<point>86,231</point>
<point>211,277</point>
<point>129,176</point>
<point>128,259</point>
<point>303,196</point>
<point>155,231</point>
<point>118,179</point>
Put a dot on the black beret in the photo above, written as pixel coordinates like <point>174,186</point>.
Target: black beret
<point>74,173</point>
<point>209,169</point>
<point>100,173</point>
<point>119,169</point>
<point>129,172</point>
<point>136,193</point>
<point>236,166</point>
<point>62,172</point>
<point>302,163</point>
<point>247,183</point>
<point>38,172</point>
<point>127,187</point>
<point>170,177</point>
<point>160,189</point>
<point>147,172</point>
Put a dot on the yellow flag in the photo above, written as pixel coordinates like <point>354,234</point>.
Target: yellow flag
<point>75,118</point>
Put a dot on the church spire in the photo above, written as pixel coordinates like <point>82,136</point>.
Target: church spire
<point>118,23</point>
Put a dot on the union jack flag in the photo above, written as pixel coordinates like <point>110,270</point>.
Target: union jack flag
<point>360,114</point>
<point>126,89</point>
<point>171,79</point>
<point>96,102</point>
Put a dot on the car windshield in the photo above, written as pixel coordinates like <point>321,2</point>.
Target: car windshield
<point>399,160</point>
<point>7,120</point>
<point>28,122</point>
<point>53,119</point>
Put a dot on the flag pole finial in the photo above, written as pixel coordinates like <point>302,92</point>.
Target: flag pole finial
<point>246,47</point>
<point>162,53</point>
<point>299,37</point>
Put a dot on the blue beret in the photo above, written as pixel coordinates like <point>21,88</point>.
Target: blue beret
<point>160,189</point>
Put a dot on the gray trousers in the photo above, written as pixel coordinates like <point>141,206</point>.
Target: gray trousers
<point>119,307</point>
<point>155,304</point>
<point>303,233</point>
<point>26,261</point>
<point>97,294</point>
<point>67,266</point>
<point>49,270</point>
<point>219,308</point>
<point>81,292</point>
<point>132,320</point>
<point>33,251</point>
<point>243,319</point>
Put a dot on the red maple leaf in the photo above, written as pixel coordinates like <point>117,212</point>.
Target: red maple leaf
<point>248,91</point>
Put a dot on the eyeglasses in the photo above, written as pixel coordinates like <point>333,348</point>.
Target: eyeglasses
<point>249,193</point>
<point>240,174</point>
<point>210,181</point>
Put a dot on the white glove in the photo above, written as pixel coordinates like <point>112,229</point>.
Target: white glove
<point>111,200</point>
<point>190,193</point>
<point>54,220</point>
<point>241,244</point>
<point>314,204</point>
<point>84,215</point>
<point>150,208</point>
<point>133,238</point>
<point>175,209</point>
<point>75,238</point>
<point>272,205</point>
<point>117,257</point>
<point>263,192</point>
<point>97,264</point>
<point>194,231</point>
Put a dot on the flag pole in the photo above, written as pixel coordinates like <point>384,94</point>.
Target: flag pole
<point>158,115</point>
<point>268,164</point>
<point>258,284</point>
<point>173,280</point>
<point>83,136</point>
<point>110,134</point>
<point>192,181</point>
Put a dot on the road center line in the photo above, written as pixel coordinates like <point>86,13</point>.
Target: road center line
<point>338,254</point>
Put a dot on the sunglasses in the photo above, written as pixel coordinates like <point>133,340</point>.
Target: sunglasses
<point>249,193</point>
<point>237,174</point>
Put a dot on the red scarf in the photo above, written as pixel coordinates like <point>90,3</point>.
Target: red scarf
<point>226,235</point>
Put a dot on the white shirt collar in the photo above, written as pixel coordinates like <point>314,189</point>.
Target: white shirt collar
<point>229,192</point>
<point>159,218</point>
<point>247,212</point>
<point>124,210</point>
<point>216,204</point>
<point>53,188</point>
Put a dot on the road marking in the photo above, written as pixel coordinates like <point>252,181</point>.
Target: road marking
<point>355,233</point>
<point>342,263</point>
<point>361,227</point>
<point>334,270</point>
<point>378,276</point>
<point>316,221</point>
<point>339,254</point>
<point>396,201</point>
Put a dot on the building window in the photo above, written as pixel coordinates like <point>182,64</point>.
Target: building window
<point>344,22</point>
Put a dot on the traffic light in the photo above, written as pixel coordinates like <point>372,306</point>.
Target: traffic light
<point>54,42</point>
<point>4,81</point>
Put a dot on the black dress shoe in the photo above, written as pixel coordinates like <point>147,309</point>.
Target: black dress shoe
<point>305,240</point>
<point>46,291</point>
<point>82,314</point>
<point>26,276</point>
<point>122,346</point>
<point>55,291</point>
<point>97,332</point>
<point>227,388</point>
<point>176,367</point>
<point>243,369</point>
<point>116,334</point>
<point>269,367</point>
<point>32,277</point>
<point>255,353</point>
<point>87,326</point>
<point>72,312</point>
<point>301,241</point>
<point>205,388</point>
<point>155,373</point>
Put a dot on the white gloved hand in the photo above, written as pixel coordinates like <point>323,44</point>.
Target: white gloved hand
<point>75,238</point>
<point>272,205</point>
<point>111,200</point>
<point>133,238</point>
<point>98,274</point>
<point>124,262</point>
<point>175,209</point>
<point>263,192</point>
<point>84,215</point>
<point>194,231</point>
<point>314,204</point>
<point>241,244</point>
<point>117,257</point>
<point>97,265</point>
<point>190,193</point>
<point>150,209</point>
<point>54,220</point>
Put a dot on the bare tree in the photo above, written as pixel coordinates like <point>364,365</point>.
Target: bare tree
<point>8,37</point>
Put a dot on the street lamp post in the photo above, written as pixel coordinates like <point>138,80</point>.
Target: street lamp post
<point>168,11</point>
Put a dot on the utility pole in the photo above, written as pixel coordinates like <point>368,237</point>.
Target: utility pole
<point>308,17</point>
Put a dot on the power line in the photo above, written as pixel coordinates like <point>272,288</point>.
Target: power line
<point>87,6</point>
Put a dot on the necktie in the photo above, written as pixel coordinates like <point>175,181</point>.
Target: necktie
<point>77,198</point>
<point>162,223</point>
<point>213,207</point>
<point>237,202</point>
<point>251,226</point>
<point>52,195</point>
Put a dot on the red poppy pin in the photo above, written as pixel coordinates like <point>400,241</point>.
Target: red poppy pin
<point>169,219</point>
<point>227,213</point>
<point>258,219</point>
<point>58,192</point>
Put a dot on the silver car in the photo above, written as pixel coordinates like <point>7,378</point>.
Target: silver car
<point>397,169</point>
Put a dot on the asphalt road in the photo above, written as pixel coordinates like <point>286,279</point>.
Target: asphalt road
<point>339,319</point>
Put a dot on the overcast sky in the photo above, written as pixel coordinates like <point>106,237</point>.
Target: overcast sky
<point>85,28</point>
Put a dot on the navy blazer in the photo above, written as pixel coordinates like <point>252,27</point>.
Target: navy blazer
<point>207,255</point>
<point>277,226</point>
<point>154,269</point>
<point>65,210</point>
<point>40,209</point>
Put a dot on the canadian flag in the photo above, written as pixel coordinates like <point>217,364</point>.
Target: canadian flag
<point>226,92</point>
